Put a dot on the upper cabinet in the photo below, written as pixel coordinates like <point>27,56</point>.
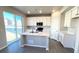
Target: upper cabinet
<point>69,15</point>
<point>78,10</point>
<point>75,12</point>
<point>48,21</point>
<point>67,22</point>
<point>31,21</point>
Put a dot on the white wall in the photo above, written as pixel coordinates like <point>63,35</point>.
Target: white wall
<point>55,25</point>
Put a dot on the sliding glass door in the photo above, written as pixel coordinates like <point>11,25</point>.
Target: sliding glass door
<point>10,27</point>
<point>18,26</point>
<point>13,26</point>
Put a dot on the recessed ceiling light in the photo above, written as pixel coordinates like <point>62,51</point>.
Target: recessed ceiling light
<point>28,12</point>
<point>40,11</point>
<point>53,10</point>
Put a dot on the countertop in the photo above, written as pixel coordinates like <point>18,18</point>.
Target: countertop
<point>36,34</point>
<point>68,33</point>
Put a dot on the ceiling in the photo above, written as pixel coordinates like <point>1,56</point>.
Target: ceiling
<point>36,9</point>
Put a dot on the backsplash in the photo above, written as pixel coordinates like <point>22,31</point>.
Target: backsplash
<point>31,28</point>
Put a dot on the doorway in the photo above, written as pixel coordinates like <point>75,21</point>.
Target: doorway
<point>13,26</point>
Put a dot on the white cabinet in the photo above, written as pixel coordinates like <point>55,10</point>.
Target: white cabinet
<point>31,21</point>
<point>67,22</point>
<point>78,10</point>
<point>48,21</point>
<point>69,41</point>
<point>43,19</point>
<point>74,12</point>
<point>61,36</point>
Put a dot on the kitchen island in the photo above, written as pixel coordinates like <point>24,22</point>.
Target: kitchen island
<point>40,39</point>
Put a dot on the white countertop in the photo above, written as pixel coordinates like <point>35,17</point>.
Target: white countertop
<point>36,34</point>
<point>66,32</point>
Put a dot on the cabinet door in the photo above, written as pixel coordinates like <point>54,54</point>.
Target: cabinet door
<point>29,21</point>
<point>69,41</point>
<point>77,15</point>
<point>44,21</point>
<point>67,19</point>
<point>78,10</point>
<point>48,21</point>
<point>74,12</point>
<point>34,21</point>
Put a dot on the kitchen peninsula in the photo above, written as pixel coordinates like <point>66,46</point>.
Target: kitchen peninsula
<point>40,39</point>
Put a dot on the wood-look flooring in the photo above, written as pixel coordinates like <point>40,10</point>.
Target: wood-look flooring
<point>54,47</point>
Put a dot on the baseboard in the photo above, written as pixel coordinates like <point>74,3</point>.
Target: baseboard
<point>64,46</point>
<point>3,47</point>
<point>53,39</point>
<point>76,51</point>
<point>35,45</point>
<point>12,42</point>
<point>61,43</point>
<point>8,45</point>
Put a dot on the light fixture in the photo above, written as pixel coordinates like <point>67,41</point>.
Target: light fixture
<point>28,12</point>
<point>40,11</point>
<point>53,10</point>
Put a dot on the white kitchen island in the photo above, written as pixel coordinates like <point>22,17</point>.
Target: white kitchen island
<point>40,39</point>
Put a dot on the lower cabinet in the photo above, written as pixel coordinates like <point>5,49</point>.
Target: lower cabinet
<point>61,36</point>
<point>37,41</point>
<point>67,40</point>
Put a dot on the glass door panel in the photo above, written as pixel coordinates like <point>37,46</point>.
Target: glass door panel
<point>10,28</point>
<point>18,26</point>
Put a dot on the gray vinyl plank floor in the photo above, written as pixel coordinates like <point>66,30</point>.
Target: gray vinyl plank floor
<point>57,47</point>
<point>54,47</point>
